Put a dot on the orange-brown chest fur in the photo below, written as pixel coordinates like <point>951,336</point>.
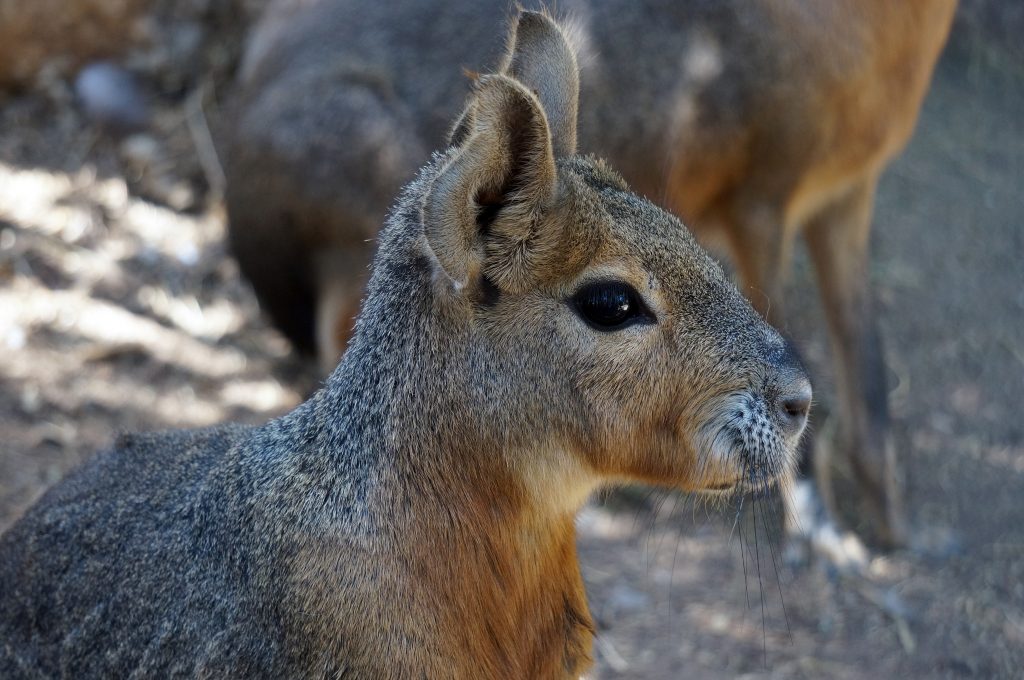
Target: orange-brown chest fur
<point>473,588</point>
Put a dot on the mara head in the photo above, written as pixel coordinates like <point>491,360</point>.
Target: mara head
<point>563,322</point>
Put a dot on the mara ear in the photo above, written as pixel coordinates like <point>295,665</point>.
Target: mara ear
<point>540,56</point>
<point>482,213</point>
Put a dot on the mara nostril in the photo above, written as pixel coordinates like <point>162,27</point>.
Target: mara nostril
<point>795,405</point>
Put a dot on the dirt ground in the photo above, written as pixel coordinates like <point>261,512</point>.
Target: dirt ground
<point>120,309</point>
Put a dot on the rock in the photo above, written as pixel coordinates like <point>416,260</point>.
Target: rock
<point>111,98</point>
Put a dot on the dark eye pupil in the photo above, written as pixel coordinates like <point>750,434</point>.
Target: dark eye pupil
<point>607,305</point>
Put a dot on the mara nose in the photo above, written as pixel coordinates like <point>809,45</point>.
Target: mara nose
<point>794,391</point>
<point>794,404</point>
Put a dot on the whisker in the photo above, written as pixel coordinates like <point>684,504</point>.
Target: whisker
<point>641,507</point>
<point>671,581</point>
<point>787,492</point>
<point>675,503</point>
<point>739,494</point>
<point>743,556</point>
<point>652,528</point>
<point>760,583</point>
<point>778,581</point>
<point>777,509</point>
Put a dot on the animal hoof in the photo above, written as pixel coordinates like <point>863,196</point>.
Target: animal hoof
<point>813,535</point>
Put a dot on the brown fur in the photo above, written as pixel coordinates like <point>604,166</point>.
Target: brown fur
<point>415,518</point>
<point>753,120</point>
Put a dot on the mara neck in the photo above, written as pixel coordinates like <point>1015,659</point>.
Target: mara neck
<point>503,578</point>
<point>483,538</point>
<point>468,524</point>
<point>473,558</point>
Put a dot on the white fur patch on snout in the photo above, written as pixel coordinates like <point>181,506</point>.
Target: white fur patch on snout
<point>744,439</point>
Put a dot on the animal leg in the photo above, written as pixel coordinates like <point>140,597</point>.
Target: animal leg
<point>837,239</point>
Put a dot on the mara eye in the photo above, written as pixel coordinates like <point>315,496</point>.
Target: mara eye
<point>610,305</point>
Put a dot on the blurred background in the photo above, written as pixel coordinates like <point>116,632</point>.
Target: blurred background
<point>122,309</point>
